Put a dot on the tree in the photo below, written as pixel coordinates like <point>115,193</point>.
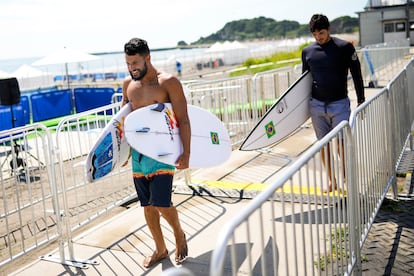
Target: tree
<point>268,28</point>
<point>182,43</point>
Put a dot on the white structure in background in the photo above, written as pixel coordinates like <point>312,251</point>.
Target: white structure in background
<point>229,52</point>
<point>30,78</point>
<point>386,21</point>
<point>65,56</point>
<point>268,48</point>
<point>5,75</point>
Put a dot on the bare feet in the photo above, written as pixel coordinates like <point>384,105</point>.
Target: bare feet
<point>330,189</point>
<point>181,252</point>
<point>155,258</point>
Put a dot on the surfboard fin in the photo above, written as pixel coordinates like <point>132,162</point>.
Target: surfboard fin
<point>164,154</point>
<point>143,130</point>
<point>158,107</point>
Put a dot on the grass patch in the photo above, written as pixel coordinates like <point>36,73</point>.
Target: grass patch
<point>53,123</point>
<point>280,59</point>
<point>338,238</point>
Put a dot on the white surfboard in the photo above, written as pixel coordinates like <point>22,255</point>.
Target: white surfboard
<point>111,149</point>
<point>288,113</point>
<point>153,131</point>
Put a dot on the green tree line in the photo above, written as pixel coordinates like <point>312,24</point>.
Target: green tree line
<point>268,28</point>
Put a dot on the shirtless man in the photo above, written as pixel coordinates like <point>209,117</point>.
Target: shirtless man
<point>152,179</point>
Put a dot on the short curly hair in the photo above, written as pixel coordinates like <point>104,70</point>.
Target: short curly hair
<point>318,22</point>
<point>136,46</point>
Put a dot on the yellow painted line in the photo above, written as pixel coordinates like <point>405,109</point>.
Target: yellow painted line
<point>251,186</point>
<point>233,185</point>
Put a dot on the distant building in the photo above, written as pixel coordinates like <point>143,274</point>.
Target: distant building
<point>386,21</point>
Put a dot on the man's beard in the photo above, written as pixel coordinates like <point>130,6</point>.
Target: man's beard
<point>142,73</point>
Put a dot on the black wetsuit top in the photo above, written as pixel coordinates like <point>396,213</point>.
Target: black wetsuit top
<point>329,64</point>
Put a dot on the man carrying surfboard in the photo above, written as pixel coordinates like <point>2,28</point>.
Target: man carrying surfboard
<point>329,59</point>
<point>152,179</point>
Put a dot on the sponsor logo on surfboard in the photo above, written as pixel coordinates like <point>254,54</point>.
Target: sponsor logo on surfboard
<point>171,121</point>
<point>214,138</point>
<point>119,132</point>
<point>270,129</point>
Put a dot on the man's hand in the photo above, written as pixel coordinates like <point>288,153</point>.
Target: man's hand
<point>126,162</point>
<point>182,162</point>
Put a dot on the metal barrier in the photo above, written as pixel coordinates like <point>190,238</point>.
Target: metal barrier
<point>82,202</point>
<point>28,209</point>
<point>293,230</point>
<point>380,61</point>
<point>268,86</point>
<point>229,100</point>
<point>284,233</point>
<point>240,102</point>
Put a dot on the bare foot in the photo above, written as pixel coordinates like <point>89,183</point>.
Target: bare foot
<point>326,191</point>
<point>155,258</point>
<point>181,252</point>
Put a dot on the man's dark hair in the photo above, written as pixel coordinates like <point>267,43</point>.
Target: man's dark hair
<point>136,46</point>
<point>318,22</point>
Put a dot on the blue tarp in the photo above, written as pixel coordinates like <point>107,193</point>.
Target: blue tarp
<point>89,98</point>
<point>53,104</point>
<point>21,114</point>
<point>50,105</point>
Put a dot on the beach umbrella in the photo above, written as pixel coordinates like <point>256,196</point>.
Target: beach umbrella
<point>65,56</point>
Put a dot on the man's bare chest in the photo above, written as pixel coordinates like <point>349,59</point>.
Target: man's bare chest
<point>144,96</point>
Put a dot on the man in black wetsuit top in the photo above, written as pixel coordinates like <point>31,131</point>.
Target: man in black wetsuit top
<point>329,59</point>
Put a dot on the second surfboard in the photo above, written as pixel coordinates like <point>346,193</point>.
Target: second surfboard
<point>288,113</point>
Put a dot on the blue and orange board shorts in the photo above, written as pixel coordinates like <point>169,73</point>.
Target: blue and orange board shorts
<point>153,180</point>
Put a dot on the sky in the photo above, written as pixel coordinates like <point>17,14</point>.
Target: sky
<point>35,28</point>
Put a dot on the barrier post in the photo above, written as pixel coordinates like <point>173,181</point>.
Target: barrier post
<point>354,201</point>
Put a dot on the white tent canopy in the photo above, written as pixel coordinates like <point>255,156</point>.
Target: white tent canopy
<point>27,71</point>
<point>65,56</point>
<point>5,75</point>
<point>32,78</point>
<point>230,52</point>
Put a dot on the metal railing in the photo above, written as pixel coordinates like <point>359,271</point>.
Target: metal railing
<point>240,102</point>
<point>28,206</point>
<point>81,201</point>
<point>380,61</point>
<point>283,233</point>
<point>313,233</point>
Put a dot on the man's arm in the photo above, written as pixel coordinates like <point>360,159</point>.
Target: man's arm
<point>179,104</point>
<point>125,84</point>
<point>305,66</point>
<point>355,68</point>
